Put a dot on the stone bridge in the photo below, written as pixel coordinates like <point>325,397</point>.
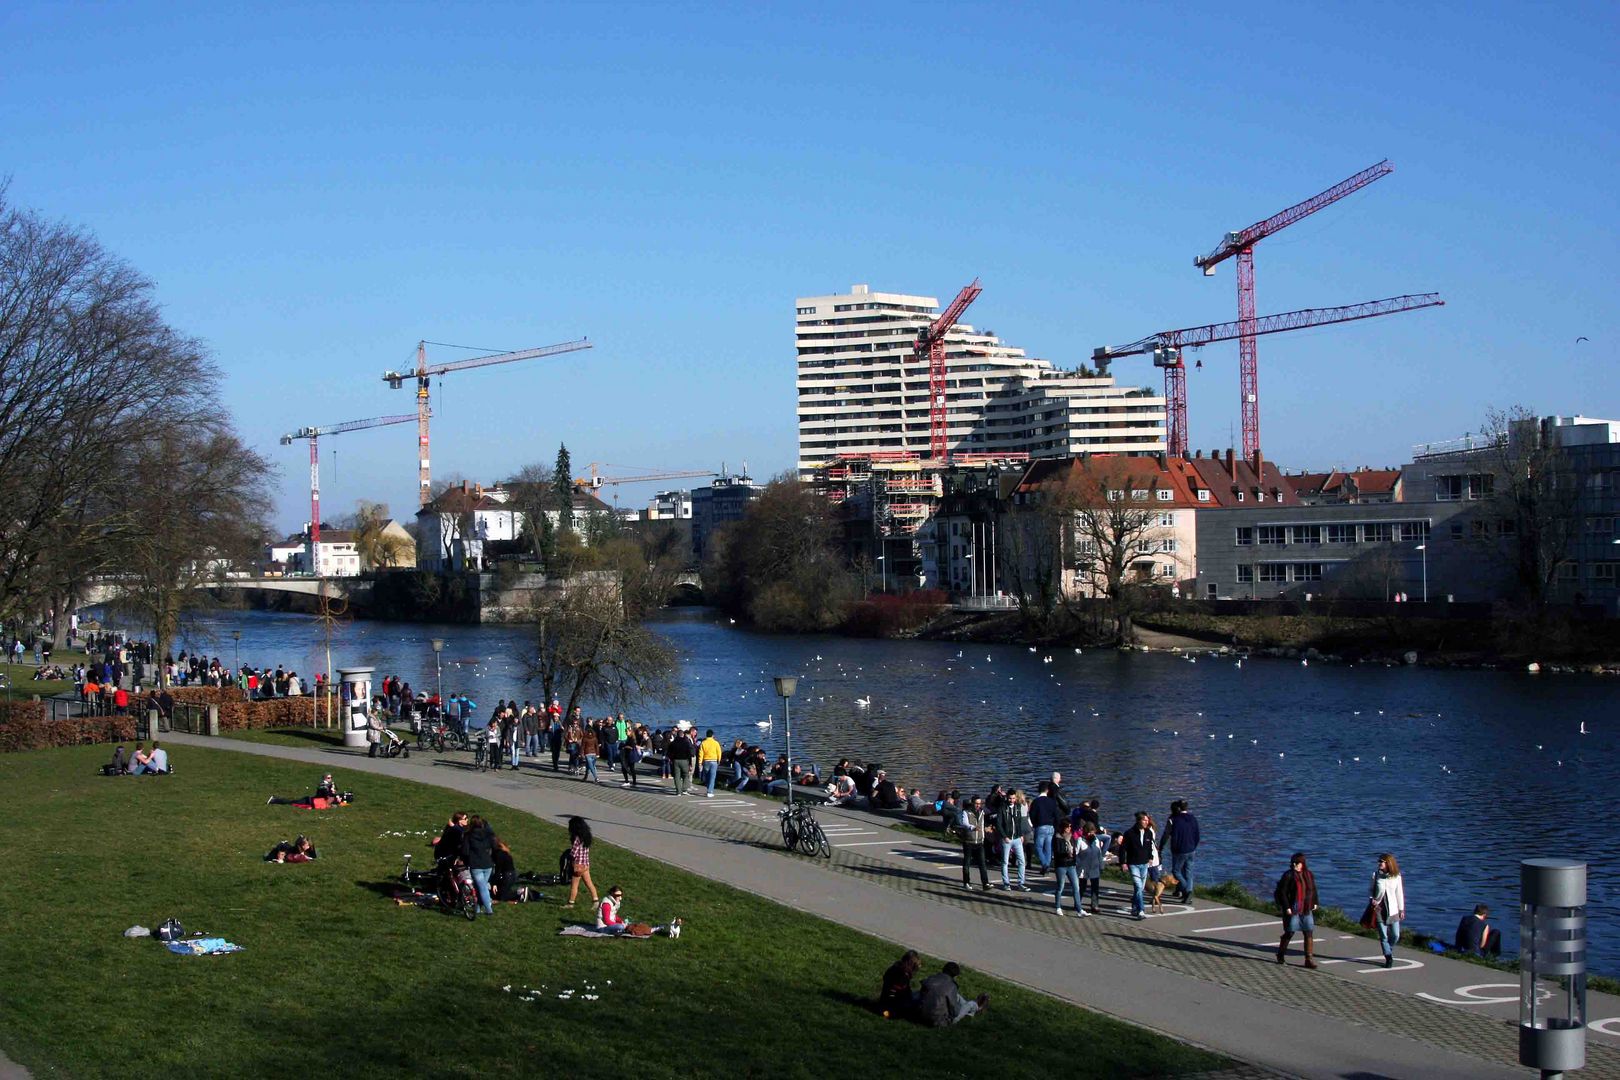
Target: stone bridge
<point>359,588</point>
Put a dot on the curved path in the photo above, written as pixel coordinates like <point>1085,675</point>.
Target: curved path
<point>1202,974</point>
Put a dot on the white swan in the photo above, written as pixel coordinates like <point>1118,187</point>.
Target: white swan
<point>863,702</point>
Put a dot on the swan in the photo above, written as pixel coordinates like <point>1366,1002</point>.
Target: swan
<point>863,702</point>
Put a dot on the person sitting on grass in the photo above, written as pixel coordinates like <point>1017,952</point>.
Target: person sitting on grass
<point>296,851</point>
<point>608,919</point>
<point>157,762</point>
<point>941,1003</point>
<point>896,997</point>
<point>139,760</point>
<point>1475,936</point>
<point>117,766</point>
<point>447,845</point>
<point>503,880</point>
<point>915,803</point>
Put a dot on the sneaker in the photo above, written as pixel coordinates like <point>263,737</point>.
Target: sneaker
<point>1024,888</point>
<point>1139,917</point>
<point>624,785</point>
<point>1058,911</point>
<point>270,800</point>
<point>708,794</point>
<point>968,885</point>
<point>1083,913</point>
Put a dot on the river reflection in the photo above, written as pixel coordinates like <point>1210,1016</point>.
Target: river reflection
<point>1460,773</point>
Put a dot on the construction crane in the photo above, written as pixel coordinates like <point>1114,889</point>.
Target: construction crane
<point>1240,244</point>
<point>424,374</point>
<point>931,347</point>
<point>313,434</point>
<point>1166,346</point>
<point>596,481</point>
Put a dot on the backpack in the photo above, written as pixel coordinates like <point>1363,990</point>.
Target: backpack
<point>565,864</point>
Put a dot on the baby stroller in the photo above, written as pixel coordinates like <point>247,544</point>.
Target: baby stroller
<point>390,745</point>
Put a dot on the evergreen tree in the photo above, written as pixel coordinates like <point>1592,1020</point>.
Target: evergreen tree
<point>563,478</point>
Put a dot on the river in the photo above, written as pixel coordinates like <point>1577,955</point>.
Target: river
<point>1459,773</point>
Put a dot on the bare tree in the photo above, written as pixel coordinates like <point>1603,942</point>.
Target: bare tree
<point>1536,492</point>
<point>454,519</point>
<point>1032,555</point>
<point>588,645</point>
<point>87,367</point>
<point>376,544</point>
<point>533,494</point>
<point>198,492</point>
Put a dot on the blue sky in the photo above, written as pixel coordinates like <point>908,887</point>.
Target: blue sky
<point>313,190</point>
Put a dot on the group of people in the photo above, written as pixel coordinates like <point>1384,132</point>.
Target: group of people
<point>1296,897</point>
<point>139,762</point>
<point>938,1002</point>
<point>469,841</point>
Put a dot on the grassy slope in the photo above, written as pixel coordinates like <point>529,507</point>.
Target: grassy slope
<point>337,980</point>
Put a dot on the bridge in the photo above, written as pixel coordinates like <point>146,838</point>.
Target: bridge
<point>105,590</point>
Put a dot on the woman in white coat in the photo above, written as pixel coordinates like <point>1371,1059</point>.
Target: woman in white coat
<point>1388,898</point>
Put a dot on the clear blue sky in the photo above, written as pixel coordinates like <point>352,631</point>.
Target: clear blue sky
<point>315,189</point>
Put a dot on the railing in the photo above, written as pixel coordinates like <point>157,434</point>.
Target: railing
<point>986,603</point>
<point>190,718</point>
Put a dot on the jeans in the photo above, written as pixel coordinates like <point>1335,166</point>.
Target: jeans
<point>971,854</point>
<point>1388,934</point>
<point>1071,876</point>
<point>556,752</point>
<point>1181,867</point>
<point>480,876</point>
<point>627,766</point>
<point>1043,845</point>
<point>1139,873</point>
<point>711,769</point>
<point>1093,886</point>
<point>682,768</point>
<point>136,770</point>
<point>517,752</point>
<point>533,741</point>
<point>1008,849</point>
<point>1300,924</point>
<point>590,769</point>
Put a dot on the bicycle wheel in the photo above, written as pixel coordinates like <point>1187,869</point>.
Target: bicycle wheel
<point>808,832</point>
<point>823,845</point>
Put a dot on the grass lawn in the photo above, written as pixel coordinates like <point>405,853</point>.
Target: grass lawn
<point>336,980</point>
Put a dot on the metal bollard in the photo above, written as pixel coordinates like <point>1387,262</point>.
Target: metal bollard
<point>1552,949</point>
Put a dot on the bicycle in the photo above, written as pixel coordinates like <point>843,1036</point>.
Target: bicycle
<point>480,754</point>
<point>802,832</point>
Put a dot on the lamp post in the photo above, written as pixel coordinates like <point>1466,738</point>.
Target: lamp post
<point>1425,549</point>
<point>438,674</point>
<point>786,686</point>
<point>883,569</point>
<point>1552,956</point>
<point>236,636</point>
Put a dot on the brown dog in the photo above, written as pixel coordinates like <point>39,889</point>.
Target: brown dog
<point>1155,890</point>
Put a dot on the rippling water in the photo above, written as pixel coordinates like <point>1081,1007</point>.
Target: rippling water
<point>1460,773</point>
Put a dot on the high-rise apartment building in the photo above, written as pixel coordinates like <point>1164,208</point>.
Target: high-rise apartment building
<point>861,392</point>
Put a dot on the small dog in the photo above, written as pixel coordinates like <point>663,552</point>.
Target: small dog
<point>1156,889</point>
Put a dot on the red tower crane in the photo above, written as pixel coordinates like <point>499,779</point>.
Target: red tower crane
<point>1241,244</point>
<point>423,375</point>
<point>1166,348</point>
<point>313,434</point>
<point>931,347</point>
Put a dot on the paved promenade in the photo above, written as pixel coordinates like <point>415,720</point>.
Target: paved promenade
<point>1203,973</point>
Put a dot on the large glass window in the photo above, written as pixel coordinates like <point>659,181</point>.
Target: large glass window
<point>1245,574</point>
<point>1273,571</point>
<point>1377,532</point>
<point>1272,534</point>
<point>1245,536</point>
<point>1305,534</point>
<point>1341,534</point>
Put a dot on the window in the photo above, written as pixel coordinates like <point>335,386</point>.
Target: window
<point>1165,494</point>
<point>1166,570</point>
<point>1240,496</point>
<point>1273,571</point>
<point>1167,521</point>
<point>1507,527</point>
<point>1245,536</point>
<point>1272,534</point>
<point>1568,573</point>
<point>1481,486</point>
<point>1168,545</point>
<point>1479,530</point>
<point>1145,545</point>
<point>1203,494</point>
<point>1139,494</point>
<point>1448,488</point>
<point>1259,496</point>
<point>1604,573</point>
<point>1341,534</point>
<point>1414,531</point>
<point>1245,574</point>
<point>1114,495</point>
<point>1377,532</point>
<point>807,311</point>
<point>1307,571</point>
<point>1305,534</point>
<point>1599,526</point>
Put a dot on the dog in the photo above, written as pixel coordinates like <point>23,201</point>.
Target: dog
<point>1156,889</point>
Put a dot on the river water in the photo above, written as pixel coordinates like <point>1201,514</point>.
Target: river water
<point>1459,773</point>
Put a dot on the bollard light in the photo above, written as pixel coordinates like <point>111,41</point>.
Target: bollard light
<point>1552,954</point>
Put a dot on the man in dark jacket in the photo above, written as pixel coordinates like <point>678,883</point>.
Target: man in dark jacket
<point>1181,838</point>
<point>1043,817</point>
<point>1136,852</point>
<point>941,1003</point>
<point>1295,897</point>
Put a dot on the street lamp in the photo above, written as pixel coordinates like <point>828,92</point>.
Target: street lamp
<point>883,569</point>
<point>236,635</point>
<point>1425,549</point>
<point>438,674</point>
<point>786,686</point>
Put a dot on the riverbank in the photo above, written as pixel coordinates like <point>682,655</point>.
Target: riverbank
<point>1590,647</point>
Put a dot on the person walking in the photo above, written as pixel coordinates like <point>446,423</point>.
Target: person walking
<point>971,828</point>
<point>588,746</point>
<point>1043,816</point>
<point>478,852</point>
<point>554,739</point>
<point>709,760</point>
<point>1089,864</point>
<point>1181,838</point>
<point>579,860</point>
<point>1295,896</point>
<point>1012,825</point>
<point>629,758</point>
<point>1064,856</point>
<point>1388,898</point>
<point>1137,852</point>
<point>680,752</point>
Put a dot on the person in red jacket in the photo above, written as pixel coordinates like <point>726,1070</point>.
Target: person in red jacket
<point>1296,897</point>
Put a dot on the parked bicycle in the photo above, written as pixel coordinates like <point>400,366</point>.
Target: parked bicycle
<point>481,754</point>
<point>802,832</point>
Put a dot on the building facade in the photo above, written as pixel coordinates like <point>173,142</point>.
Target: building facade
<point>860,390</point>
<point>725,500</point>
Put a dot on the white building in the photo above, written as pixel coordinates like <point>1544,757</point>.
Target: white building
<point>860,391</point>
<point>335,556</point>
<point>670,506</point>
<point>455,527</point>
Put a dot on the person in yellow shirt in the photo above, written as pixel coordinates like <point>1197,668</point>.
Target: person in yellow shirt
<point>709,760</point>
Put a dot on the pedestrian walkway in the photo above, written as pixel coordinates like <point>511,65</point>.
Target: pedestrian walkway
<point>1204,973</point>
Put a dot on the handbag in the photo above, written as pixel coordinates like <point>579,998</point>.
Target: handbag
<point>1369,916</point>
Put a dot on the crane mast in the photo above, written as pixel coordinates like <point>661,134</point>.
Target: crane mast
<point>931,348</point>
<point>1240,245</point>
<point>313,435</point>
<point>423,374</point>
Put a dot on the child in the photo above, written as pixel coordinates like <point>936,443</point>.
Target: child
<point>1090,864</point>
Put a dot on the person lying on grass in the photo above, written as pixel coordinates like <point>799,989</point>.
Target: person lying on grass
<point>296,851</point>
<point>317,801</point>
<point>941,1003</point>
<point>610,919</point>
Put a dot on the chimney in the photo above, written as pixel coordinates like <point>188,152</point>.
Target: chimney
<point>1258,461</point>
<point>1229,466</point>
<point>1164,462</point>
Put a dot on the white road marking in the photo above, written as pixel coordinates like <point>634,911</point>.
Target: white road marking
<point>1401,964</point>
<point>1234,926</point>
<point>867,843</point>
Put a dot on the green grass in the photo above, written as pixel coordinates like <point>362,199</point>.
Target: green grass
<point>23,686</point>
<point>338,981</point>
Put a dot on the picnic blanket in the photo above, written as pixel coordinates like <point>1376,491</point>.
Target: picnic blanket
<point>581,930</point>
<point>207,946</point>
